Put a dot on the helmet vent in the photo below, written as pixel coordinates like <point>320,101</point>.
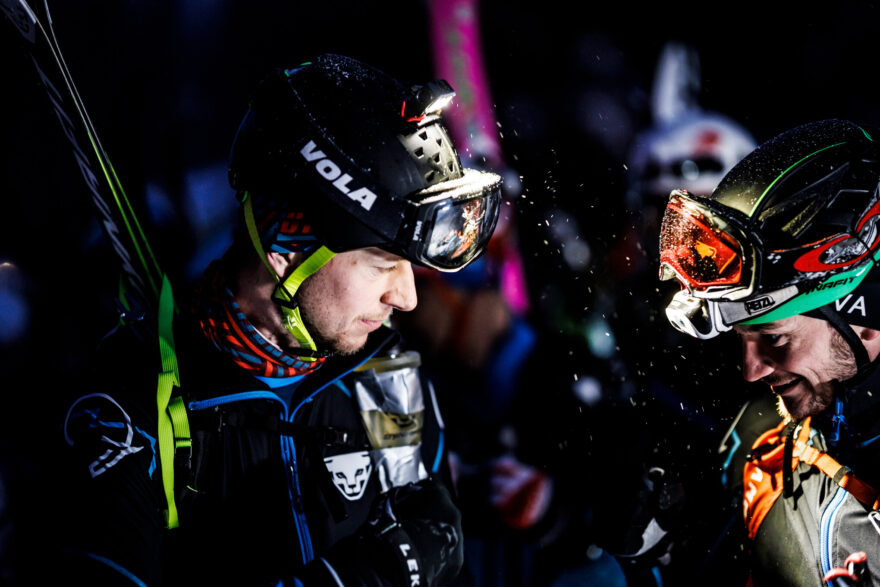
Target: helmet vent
<point>432,152</point>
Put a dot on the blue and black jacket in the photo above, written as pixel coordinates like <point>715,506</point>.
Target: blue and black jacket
<point>256,499</point>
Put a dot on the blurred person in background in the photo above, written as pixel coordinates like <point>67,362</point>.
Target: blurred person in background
<point>514,425</point>
<point>692,148</point>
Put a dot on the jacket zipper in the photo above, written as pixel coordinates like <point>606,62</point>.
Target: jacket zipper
<point>826,525</point>
<point>295,492</point>
<point>288,451</point>
<point>288,457</point>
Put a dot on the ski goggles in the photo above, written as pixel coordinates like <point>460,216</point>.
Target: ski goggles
<point>703,249</point>
<point>705,252</point>
<point>714,257</point>
<point>444,226</point>
<point>703,246</point>
<point>450,223</point>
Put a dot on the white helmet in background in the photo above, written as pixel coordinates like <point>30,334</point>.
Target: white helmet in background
<point>686,147</point>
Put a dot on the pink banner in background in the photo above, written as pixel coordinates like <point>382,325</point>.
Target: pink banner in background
<point>458,58</point>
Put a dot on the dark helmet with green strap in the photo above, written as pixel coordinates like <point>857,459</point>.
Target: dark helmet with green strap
<point>791,229</point>
<point>335,155</point>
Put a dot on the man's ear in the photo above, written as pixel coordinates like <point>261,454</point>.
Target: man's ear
<point>871,340</point>
<point>283,263</point>
<point>869,334</point>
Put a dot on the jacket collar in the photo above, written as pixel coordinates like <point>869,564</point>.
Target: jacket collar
<point>207,372</point>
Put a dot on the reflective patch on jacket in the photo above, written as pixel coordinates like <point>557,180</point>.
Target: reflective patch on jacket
<point>392,405</point>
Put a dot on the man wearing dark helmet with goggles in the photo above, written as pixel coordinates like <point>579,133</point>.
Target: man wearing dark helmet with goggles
<point>783,252</point>
<point>307,448</point>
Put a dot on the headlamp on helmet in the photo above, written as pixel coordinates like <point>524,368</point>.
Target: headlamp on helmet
<point>369,160</point>
<point>793,227</point>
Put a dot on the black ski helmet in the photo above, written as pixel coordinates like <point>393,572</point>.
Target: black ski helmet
<point>790,229</point>
<point>368,160</point>
<point>341,156</point>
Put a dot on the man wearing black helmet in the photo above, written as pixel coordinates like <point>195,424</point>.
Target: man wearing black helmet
<point>299,443</point>
<point>783,252</point>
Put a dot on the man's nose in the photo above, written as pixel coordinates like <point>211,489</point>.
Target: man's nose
<point>401,294</point>
<point>755,363</point>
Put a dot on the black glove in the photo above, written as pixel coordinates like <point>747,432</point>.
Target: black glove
<point>650,535</point>
<point>412,538</point>
<point>423,527</point>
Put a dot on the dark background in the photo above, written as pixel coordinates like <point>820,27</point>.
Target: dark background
<point>166,83</point>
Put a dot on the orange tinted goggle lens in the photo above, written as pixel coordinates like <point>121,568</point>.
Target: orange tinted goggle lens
<point>699,253</point>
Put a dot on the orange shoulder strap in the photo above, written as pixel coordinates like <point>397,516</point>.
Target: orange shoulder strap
<point>762,474</point>
<point>840,474</point>
<point>762,478</point>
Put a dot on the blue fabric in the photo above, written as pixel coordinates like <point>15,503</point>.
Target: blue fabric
<point>509,359</point>
<point>284,387</point>
<point>235,397</point>
<point>733,449</point>
<point>825,526</point>
<point>116,567</point>
<point>95,422</point>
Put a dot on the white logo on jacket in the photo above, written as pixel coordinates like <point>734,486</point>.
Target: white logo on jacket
<point>350,473</point>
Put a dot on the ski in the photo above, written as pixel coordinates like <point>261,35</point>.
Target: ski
<point>141,276</point>
<point>144,291</point>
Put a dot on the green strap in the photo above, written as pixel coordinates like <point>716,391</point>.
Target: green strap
<point>170,412</point>
<point>251,224</point>
<point>180,422</point>
<point>287,290</point>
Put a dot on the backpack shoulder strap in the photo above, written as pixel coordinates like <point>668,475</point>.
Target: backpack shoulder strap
<point>841,475</point>
<point>173,429</point>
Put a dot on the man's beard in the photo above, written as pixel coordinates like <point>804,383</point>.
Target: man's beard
<point>310,302</point>
<point>323,342</point>
<point>841,356</point>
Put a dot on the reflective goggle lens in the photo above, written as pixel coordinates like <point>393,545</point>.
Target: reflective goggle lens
<point>700,254</point>
<point>461,229</point>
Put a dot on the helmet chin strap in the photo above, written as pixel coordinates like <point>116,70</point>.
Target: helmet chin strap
<point>285,292</point>
<point>860,353</point>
